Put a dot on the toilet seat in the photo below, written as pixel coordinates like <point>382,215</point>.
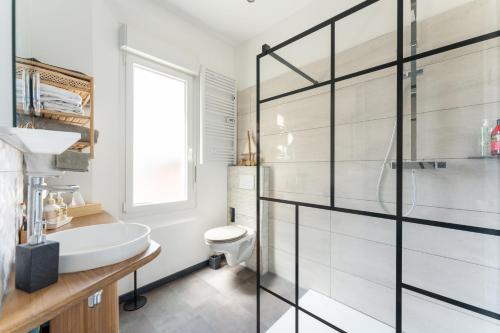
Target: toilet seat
<point>236,242</point>
<point>226,234</point>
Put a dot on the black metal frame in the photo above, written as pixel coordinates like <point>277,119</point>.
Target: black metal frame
<point>399,218</point>
<point>13,66</point>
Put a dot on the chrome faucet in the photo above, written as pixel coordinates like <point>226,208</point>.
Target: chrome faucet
<point>36,187</point>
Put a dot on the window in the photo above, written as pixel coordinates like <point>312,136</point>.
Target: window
<point>159,154</point>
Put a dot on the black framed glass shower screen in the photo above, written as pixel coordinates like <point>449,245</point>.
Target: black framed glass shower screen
<point>362,113</point>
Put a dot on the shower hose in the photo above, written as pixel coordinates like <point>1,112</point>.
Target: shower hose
<point>381,177</point>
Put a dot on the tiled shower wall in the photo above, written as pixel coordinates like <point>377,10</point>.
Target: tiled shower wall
<point>243,200</point>
<point>352,258</point>
<point>11,195</point>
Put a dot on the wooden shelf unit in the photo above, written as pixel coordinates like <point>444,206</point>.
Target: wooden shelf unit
<point>69,80</point>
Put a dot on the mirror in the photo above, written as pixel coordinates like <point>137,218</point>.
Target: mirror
<point>54,86</point>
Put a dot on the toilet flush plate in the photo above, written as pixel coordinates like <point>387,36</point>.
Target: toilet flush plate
<point>247,182</point>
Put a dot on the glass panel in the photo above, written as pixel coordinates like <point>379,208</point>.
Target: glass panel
<point>295,146</point>
<point>365,142</point>
<point>347,269</point>
<point>278,250</point>
<point>363,270</point>
<point>159,176</point>
<point>439,23</point>
<point>366,38</point>
<point>456,106</point>
<point>276,316</point>
<point>315,252</point>
<point>460,265</point>
<point>310,54</point>
<point>425,315</point>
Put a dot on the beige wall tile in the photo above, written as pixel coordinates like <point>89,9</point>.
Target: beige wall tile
<point>421,314</point>
<point>300,146</point>
<point>369,260</point>
<point>305,177</point>
<point>306,113</point>
<point>476,18</point>
<point>462,281</point>
<point>455,244</point>
<point>370,298</point>
<point>365,227</point>
<point>466,80</point>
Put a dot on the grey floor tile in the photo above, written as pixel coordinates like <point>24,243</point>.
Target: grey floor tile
<point>193,290</point>
<point>279,285</point>
<point>271,310</point>
<point>224,280</point>
<point>133,322</point>
<point>243,273</point>
<point>226,316</point>
<point>196,325</point>
<point>245,296</point>
<point>207,301</point>
<point>168,311</point>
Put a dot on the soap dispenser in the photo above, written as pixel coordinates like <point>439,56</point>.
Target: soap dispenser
<point>63,208</point>
<point>51,211</point>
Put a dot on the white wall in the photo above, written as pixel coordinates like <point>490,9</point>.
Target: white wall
<point>179,233</point>
<point>5,63</point>
<point>91,45</point>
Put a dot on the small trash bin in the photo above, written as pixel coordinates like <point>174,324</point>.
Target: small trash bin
<point>214,262</point>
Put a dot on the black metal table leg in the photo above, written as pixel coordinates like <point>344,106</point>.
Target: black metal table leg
<point>138,301</point>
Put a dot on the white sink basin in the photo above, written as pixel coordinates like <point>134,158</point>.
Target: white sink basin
<point>85,248</point>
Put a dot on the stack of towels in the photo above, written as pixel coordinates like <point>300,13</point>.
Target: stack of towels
<point>57,99</point>
<point>22,94</point>
<point>51,98</point>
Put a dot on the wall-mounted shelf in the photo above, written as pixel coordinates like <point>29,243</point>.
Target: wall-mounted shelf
<point>72,81</point>
<point>70,118</point>
<point>421,165</point>
<point>484,157</point>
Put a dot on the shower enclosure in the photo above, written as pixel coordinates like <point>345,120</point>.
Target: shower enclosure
<point>382,208</point>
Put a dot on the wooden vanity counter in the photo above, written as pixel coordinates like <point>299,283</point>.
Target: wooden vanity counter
<point>67,298</point>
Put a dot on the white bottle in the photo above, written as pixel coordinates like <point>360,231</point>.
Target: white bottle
<point>485,138</point>
<point>63,215</point>
<point>51,211</point>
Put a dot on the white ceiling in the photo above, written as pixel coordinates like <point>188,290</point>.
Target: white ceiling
<point>235,20</point>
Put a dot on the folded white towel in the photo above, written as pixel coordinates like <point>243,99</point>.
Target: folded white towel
<point>51,91</point>
<point>62,107</point>
<point>45,98</point>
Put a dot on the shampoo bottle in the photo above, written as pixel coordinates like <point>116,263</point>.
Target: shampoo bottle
<point>495,140</point>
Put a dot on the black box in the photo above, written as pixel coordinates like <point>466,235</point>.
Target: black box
<point>37,266</point>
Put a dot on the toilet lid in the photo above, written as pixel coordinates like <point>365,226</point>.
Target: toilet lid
<point>228,233</point>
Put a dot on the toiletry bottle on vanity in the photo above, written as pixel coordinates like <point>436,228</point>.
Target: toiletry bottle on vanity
<point>63,208</point>
<point>51,211</point>
<point>495,140</point>
<point>485,138</point>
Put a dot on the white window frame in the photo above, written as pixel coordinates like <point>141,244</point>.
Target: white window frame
<point>149,209</point>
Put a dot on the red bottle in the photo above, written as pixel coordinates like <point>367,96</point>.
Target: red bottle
<point>495,140</point>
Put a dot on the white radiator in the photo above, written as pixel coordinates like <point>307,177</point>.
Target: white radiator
<point>218,118</point>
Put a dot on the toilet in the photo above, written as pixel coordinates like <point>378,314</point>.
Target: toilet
<point>234,241</point>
